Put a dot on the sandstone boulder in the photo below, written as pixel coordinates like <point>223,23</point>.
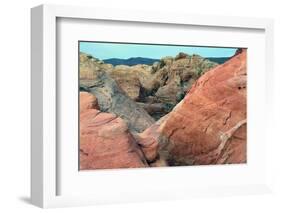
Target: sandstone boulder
<point>209,125</point>
<point>89,67</point>
<point>127,80</point>
<point>175,76</point>
<point>148,145</point>
<point>166,81</point>
<point>150,142</point>
<point>131,79</point>
<point>88,101</point>
<point>112,99</point>
<point>105,141</point>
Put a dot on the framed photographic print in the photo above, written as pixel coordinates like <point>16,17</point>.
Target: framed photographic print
<point>130,106</point>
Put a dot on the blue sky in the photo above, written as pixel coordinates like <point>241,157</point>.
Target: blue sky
<point>117,50</point>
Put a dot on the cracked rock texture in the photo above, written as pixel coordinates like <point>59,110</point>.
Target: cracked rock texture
<point>105,140</point>
<point>158,87</point>
<point>150,143</point>
<point>209,125</point>
<point>183,110</point>
<point>88,101</point>
<point>112,99</point>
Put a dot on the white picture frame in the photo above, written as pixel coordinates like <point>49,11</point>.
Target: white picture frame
<point>44,150</point>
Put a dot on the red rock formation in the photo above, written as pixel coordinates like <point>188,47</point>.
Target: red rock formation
<point>209,125</point>
<point>148,145</point>
<point>105,141</point>
<point>149,141</point>
<point>88,101</point>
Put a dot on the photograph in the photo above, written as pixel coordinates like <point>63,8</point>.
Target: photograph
<point>161,105</point>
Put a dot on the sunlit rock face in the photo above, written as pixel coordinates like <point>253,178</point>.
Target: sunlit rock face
<point>105,140</point>
<point>209,125</point>
<point>177,111</point>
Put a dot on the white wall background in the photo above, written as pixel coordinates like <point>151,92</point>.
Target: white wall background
<point>15,112</point>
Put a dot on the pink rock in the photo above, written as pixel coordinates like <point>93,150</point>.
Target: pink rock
<point>105,141</point>
<point>209,125</point>
<point>88,101</point>
<point>149,142</point>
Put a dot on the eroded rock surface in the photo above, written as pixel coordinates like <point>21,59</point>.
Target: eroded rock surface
<point>105,140</point>
<point>173,77</point>
<point>209,125</point>
<point>112,99</point>
<point>183,110</point>
<point>150,141</point>
<point>90,67</point>
<point>88,101</point>
<point>165,82</point>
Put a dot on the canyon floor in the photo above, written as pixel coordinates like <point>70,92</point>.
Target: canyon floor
<point>179,111</point>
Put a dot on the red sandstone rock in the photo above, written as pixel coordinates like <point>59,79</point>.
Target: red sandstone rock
<point>88,101</point>
<point>148,145</point>
<point>209,125</point>
<point>105,141</point>
<point>149,142</point>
